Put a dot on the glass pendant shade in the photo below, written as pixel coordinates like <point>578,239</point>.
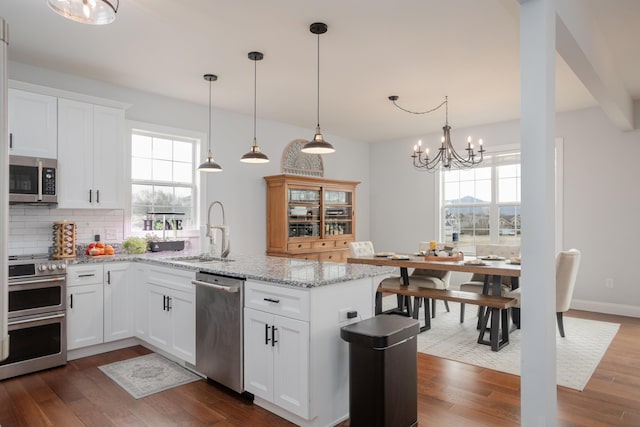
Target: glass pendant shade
<point>97,12</point>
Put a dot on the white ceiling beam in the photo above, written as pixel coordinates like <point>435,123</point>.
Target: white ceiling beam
<point>582,46</point>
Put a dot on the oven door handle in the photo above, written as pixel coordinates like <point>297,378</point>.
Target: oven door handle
<point>32,282</point>
<point>35,319</point>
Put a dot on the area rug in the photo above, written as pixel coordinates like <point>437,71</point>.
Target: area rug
<point>578,354</point>
<point>148,374</point>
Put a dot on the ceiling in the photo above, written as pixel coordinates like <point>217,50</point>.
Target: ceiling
<point>420,50</point>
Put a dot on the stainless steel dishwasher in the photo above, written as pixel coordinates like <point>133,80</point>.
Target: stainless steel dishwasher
<point>219,347</point>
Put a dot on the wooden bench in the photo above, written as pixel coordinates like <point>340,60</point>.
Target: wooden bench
<point>497,309</point>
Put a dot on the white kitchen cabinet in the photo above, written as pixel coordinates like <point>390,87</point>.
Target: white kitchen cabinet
<point>303,376</point>
<point>278,367</point>
<point>33,124</point>
<point>91,155</point>
<point>118,302</point>
<point>85,301</point>
<point>170,311</point>
<point>99,304</point>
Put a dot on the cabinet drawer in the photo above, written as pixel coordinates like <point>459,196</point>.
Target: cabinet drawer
<point>283,301</point>
<point>172,278</point>
<point>333,256</point>
<point>312,256</point>
<point>323,245</point>
<point>298,246</point>
<point>84,274</point>
<point>343,244</point>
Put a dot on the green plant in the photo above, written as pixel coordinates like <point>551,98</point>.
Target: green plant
<point>135,245</point>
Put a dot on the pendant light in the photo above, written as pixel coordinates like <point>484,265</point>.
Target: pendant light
<point>210,165</point>
<point>97,12</point>
<point>254,155</point>
<point>318,145</point>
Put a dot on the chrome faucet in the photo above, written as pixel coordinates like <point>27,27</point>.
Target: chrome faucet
<point>224,251</point>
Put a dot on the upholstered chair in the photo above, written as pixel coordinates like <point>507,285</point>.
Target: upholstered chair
<point>476,283</point>
<point>365,248</point>
<point>567,264</point>
<point>435,279</point>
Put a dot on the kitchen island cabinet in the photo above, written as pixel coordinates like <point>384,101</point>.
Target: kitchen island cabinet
<point>296,364</point>
<point>90,155</point>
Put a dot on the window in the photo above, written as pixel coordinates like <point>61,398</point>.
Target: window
<point>482,204</point>
<point>163,179</point>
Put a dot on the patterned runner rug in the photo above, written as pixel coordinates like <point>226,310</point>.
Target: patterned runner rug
<point>578,354</point>
<point>148,374</point>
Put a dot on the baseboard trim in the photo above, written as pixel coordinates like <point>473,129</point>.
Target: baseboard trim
<point>102,348</point>
<point>606,307</point>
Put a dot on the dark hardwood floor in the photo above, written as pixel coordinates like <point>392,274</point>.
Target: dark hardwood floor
<point>449,394</point>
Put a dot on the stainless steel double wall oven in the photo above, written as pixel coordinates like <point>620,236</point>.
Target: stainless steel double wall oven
<point>37,315</point>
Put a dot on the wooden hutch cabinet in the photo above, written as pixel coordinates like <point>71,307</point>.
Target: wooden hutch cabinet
<point>310,218</point>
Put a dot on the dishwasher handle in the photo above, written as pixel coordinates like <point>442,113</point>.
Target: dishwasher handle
<point>230,289</point>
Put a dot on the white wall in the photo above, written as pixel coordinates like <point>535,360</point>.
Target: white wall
<point>600,204</point>
<point>240,186</point>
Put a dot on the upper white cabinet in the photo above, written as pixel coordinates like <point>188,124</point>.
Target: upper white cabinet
<point>90,155</point>
<point>33,124</point>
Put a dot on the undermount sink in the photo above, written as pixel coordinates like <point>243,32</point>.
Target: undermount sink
<point>201,258</point>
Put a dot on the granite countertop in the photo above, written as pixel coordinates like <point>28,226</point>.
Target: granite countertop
<point>285,271</point>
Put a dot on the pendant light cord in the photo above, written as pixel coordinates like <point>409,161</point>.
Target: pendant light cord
<point>209,145</point>
<point>318,104</point>
<point>255,97</point>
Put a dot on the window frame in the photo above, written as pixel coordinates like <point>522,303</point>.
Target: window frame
<point>494,216</point>
<point>198,186</point>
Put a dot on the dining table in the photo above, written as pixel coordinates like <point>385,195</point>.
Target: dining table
<point>493,269</point>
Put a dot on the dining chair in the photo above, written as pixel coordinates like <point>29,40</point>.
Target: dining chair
<point>567,264</point>
<point>476,283</point>
<point>425,278</point>
<point>365,248</point>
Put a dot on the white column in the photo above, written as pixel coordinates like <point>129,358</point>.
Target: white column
<point>4,190</point>
<point>537,128</point>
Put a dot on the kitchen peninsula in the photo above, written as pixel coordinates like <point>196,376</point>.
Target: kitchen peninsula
<point>299,371</point>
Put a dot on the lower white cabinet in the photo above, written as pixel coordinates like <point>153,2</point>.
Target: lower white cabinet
<point>295,362</point>
<point>99,304</point>
<point>169,311</point>
<point>84,316</point>
<point>277,369</point>
<point>118,302</point>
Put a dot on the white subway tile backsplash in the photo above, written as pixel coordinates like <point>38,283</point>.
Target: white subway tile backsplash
<point>31,228</point>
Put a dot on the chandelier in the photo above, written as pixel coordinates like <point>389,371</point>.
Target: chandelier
<point>97,12</point>
<point>447,157</point>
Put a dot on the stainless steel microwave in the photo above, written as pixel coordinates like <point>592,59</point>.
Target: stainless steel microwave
<point>32,180</point>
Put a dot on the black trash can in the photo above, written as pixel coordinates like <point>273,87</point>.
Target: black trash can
<point>383,385</point>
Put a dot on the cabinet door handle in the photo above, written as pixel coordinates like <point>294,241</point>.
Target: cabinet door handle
<point>11,140</point>
<point>266,334</point>
<point>273,336</point>
<point>90,195</point>
<point>97,196</point>
<point>169,299</point>
<point>299,245</point>
<point>164,303</point>
<point>109,277</point>
<point>71,301</point>
<point>277,301</point>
